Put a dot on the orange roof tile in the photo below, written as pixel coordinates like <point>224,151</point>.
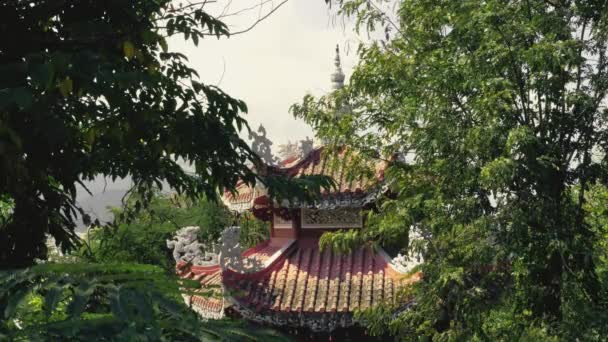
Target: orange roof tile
<point>210,302</point>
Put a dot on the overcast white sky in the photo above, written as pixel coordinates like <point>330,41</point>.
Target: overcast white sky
<point>274,65</point>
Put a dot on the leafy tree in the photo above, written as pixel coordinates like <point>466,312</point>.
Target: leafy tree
<point>597,219</point>
<point>495,110</point>
<point>91,87</point>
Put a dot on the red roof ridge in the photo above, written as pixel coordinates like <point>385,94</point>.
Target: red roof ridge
<point>256,248</point>
<point>277,257</point>
<point>398,269</point>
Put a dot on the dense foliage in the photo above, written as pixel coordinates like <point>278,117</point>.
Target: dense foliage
<point>108,302</point>
<point>84,80</point>
<point>253,230</point>
<point>495,111</point>
<point>122,285</point>
<point>143,238</point>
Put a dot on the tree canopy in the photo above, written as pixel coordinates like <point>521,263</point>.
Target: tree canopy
<point>496,113</point>
<point>92,88</point>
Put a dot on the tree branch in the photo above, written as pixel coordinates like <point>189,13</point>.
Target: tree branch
<point>259,20</point>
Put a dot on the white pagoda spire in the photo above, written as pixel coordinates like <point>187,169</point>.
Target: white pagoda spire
<point>337,78</point>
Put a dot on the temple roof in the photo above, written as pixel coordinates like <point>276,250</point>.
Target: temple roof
<point>301,285</point>
<point>349,191</point>
<point>307,279</point>
<point>210,303</point>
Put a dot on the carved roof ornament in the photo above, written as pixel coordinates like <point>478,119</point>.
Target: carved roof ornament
<point>262,145</point>
<point>297,149</point>
<point>187,249</point>
<point>306,146</point>
<point>337,78</point>
<point>288,150</point>
<point>337,82</point>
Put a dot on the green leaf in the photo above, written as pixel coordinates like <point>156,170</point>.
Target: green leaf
<point>14,300</point>
<point>90,136</point>
<point>128,49</point>
<point>116,303</point>
<point>23,97</point>
<point>42,75</point>
<point>66,86</point>
<point>163,44</point>
<point>144,309</point>
<point>51,299</point>
<point>80,298</point>
<point>195,39</point>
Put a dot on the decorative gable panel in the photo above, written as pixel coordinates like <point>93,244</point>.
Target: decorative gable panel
<point>332,218</point>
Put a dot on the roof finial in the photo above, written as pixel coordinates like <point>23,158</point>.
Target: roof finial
<point>337,78</point>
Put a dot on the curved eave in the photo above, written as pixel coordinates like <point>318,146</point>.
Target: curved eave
<point>210,304</point>
<point>349,193</point>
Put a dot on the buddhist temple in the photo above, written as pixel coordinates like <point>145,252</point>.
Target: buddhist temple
<point>288,280</point>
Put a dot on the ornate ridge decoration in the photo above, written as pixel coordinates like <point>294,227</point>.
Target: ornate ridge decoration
<point>349,193</point>
<point>335,218</point>
<point>321,322</point>
<point>281,221</point>
<point>187,249</point>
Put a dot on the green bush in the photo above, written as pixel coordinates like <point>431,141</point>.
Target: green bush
<point>143,238</point>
